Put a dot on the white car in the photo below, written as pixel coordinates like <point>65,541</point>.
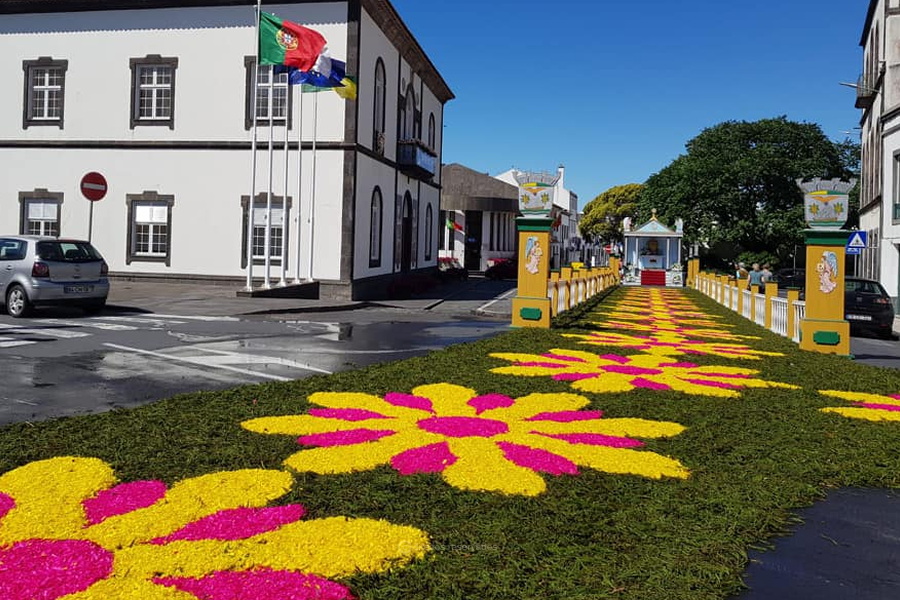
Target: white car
<point>39,271</point>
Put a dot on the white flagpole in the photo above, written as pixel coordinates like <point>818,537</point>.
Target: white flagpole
<point>299,178</point>
<point>268,236</point>
<point>255,92</point>
<point>285,213</point>
<point>312,199</point>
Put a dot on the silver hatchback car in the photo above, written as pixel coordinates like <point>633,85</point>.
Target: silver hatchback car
<point>36,271</point>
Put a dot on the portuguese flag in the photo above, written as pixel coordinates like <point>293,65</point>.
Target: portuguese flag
<point>285,43</point>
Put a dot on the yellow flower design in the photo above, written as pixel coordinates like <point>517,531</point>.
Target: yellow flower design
<point>476,442</point>
<point>872,407</point>
<point>67,531</point>
<point>657,327</point>
<point>613,373</point>
<point>670,345</point>
<point>662,319</point>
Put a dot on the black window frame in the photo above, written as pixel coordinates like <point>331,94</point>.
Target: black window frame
<point>261,200</point>
<point>39,194</point>
<point>378,129</point>
<point>148,197</point>
<point>376,253</point>
<point>251,85</point>
<point>151,60</point>
<point>28,66</point>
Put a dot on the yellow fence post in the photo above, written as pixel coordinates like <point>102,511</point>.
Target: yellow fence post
<point>531,306</point>
<point>771,292</point>
<point>792,296</point>
<point>554,296</point>
<point>754,290</point>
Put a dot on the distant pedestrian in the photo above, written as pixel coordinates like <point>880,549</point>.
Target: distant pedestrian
<point>766,273</point>
<point>755,276</point>
<point>741,271</point>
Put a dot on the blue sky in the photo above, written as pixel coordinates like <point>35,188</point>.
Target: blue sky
<point>613,89</point>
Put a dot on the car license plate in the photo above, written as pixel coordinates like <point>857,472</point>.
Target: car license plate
<point>859,317</point>
<point>78,289</point>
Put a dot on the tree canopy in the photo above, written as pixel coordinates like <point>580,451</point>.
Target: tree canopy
<point>602,219</point>
<point>735,187</point>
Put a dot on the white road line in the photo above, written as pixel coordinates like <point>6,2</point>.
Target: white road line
<point>89,323</point>
<point>256,359</point>
<point>142,320</point>
<point>8,342</point>
<point>51,332</point>
<point>198,362</point>
<point>195,318</point>
<point>484,307</point>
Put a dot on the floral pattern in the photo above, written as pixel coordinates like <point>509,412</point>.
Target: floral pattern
<point>613,373</point>
<point>670,344</point>
<point>871,407</point>
<point>67,531</point>
<point>475,442</point>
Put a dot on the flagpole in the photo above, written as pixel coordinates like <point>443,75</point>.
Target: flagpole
<point>253,152</point>
<point>312,200</point>
<point>285,213</point>
<point>299,179</point>
<point>268,236</point>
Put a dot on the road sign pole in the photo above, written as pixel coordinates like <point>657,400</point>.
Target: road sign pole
<point>90,220</point>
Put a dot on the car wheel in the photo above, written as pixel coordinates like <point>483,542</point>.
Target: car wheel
<point>93,307</point>
<point>17,303</point>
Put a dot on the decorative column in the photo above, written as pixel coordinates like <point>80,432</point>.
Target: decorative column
<point>823,328</point>
<point>531,306</point>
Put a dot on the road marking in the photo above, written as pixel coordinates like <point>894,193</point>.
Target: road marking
<point>52,332</point>
<point>141,320</point>
<point>256,359</point>
<point>89,323</point>
<point>8,342</point>
<point>484,307</point>
<point>196,318</point>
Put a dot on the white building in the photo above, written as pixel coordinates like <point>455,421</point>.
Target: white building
<point>565,243</point>
<point>156,96</point>
<point>878,94</point>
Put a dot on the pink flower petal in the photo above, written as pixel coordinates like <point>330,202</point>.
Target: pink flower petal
<point>679,365</point>
<point>490,402</point>
<point>458,427</point>
<point>575,376</point>
<point>567,416</point>
<point>537,459</point>
<point>545,365</point>
<point>47,570</point>
<point>627,370</point>
<point>894,396</point>
<point>727,375</point>
<point>344,438</point>
<point>640,382</point>
<point>260,584</point>
<point>409,401</point>
<point>346,414</point>
<point>236,524</point>
<point>879,406</point>
<point>594,439</point>
<point>715,384</point>
<point>122,499</point>
<point>6,504</point>
<point>433,458</point>
<point>622,360</point>
<point>552,356</point>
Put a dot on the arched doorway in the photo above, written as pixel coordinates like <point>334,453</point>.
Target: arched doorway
<point>406,234</point>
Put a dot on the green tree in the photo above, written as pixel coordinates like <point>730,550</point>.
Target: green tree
<point>602,219</point>
<point>849,152</point>
<point>735,187</point>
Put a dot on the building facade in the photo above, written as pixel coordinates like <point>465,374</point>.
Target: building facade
<point>158,96</point>
<point>878,95</point>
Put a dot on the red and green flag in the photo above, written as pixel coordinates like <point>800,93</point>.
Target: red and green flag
<point>285,43</point>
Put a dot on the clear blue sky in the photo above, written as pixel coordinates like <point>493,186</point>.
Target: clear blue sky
<point>613,89</point>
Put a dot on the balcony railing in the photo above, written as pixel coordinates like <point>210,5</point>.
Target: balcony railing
<point>416,159</point>
<point>865,91</point>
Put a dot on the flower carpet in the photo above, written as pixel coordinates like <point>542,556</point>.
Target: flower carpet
<point>636,450</point>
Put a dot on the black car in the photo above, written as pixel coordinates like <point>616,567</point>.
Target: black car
<point>790,278</point>
<point>868,307</point>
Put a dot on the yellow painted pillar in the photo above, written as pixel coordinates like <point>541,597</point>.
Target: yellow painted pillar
<point>771,291</point>
<point>531,306</point>
<point>792,296</point>
<point>732,291</point>
<point>823,328</point>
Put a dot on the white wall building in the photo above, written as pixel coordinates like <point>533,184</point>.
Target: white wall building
<point>156,96</point>
<point>878,94</point>
<point>564,247</point>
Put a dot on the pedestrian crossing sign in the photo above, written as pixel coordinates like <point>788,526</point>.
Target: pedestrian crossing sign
<point>857,241</point>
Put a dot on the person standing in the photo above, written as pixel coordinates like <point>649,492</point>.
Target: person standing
<point>766,274</point>
<point>756,276</point>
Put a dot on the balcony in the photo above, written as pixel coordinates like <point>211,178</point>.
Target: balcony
<point>416,159</point>
<point>866,88</point>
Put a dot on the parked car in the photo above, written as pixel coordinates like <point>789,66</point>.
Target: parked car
<point>790,278</point>
<point>39,271</point>
<point>868,307</point>
<point>505,268</point>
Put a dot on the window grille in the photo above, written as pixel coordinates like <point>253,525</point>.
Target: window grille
<point>42,218</point>
<point>44,91</point>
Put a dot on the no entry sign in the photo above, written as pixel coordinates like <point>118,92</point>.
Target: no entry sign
<point>93,186</point>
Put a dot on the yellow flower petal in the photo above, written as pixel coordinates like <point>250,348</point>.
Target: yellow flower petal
<point>482,466</point>
<point>615,460</point>
<point>364,402</point>
<point>862,397</point>
<point>534,404</point>
<point>448,399</point>
<point>188,501</point>
<point>129,588</point>
<point>334,460</point>
<point>48,496</point>
<point>307,424</point>
<point>622,427</point>
<point>332,547</point>
<point>869,414</point>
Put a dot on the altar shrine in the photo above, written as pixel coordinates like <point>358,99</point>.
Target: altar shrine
<point>652,254</point>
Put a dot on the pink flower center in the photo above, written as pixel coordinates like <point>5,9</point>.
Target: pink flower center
<point>47,570</point>
<point>463,426</point>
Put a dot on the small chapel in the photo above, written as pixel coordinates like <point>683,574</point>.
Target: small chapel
<point>652,254</point>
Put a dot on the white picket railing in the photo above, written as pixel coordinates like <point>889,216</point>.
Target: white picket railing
<point>780,316</point>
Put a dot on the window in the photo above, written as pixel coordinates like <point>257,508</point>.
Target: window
<point>149,228</point>
<point>431,132</point>
<point>896,211</point>
<point>408,115</point>
<point>45,81</point>
<point>153,91</point>
<point>268,85</point>
<point>39,213</point>
<point>442,227</point>
<point>375,223</point>
<point>378,120</point>
<point>429,231</point>
<point>277,229</point>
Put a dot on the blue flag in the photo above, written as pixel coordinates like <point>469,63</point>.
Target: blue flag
<point>333,79</point>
